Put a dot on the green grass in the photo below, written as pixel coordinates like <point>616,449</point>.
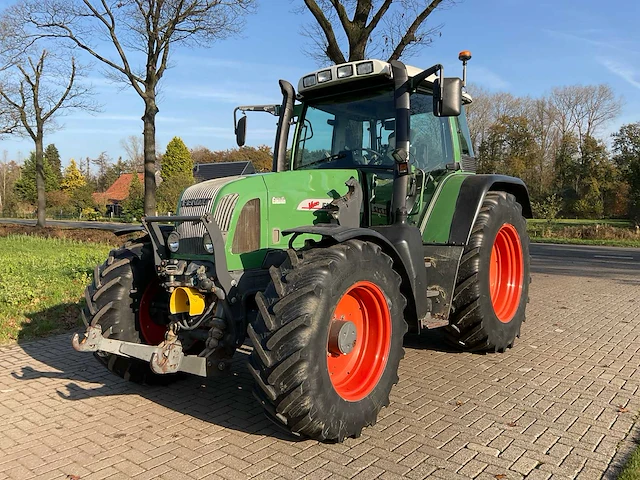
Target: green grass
<point>586,241</point>
<point>561,222</point>
<point>41,282</point>
<point>632,468</point>
<point>615,233</point>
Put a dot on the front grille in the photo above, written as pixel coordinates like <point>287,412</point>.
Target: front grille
<point>191,233</point>
<point>468,163</point>
<point>224,212</point>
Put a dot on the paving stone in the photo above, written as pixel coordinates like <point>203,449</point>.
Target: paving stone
<point>64,414</point>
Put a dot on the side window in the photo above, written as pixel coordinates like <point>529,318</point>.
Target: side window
<point>430,142</point>
<point>315,135</point>
<point>463,134</point>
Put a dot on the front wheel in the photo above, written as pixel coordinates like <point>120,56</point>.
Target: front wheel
<point>328,340</point>
<point>127,301</point>
<point>492,288</point>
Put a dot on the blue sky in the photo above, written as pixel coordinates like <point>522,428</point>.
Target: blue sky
<point>519,46</point>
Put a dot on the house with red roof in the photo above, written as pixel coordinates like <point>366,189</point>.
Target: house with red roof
<point>117,193</point>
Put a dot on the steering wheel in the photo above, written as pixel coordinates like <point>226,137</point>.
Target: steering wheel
<point>376,157</point>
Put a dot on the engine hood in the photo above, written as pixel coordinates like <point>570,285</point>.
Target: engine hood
<point>253,210</point>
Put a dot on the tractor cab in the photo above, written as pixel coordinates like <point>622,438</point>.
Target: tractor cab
<point>382,120</point>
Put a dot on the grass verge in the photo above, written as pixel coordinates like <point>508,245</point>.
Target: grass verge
<point>586,241</point>
<point>561,222</point>
<point>614,233</point>
<point>41,283</point>
<point>631,470</point>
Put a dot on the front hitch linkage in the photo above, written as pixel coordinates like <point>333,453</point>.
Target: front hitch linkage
<point>164,358</point>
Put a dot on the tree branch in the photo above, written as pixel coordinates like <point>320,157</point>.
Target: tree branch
<point>410,35</point>
<point>342,14</point>
<point>333,49</point>
<point>65,94</point>
<point>378,16</point>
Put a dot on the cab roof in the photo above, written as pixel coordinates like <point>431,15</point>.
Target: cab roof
<point>346,73</point>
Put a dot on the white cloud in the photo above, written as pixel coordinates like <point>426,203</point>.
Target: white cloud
<point>253,134</point>
<point>220,63</point>
<point>488,78</point>
<point>598,38</point>
<point>99,131</point>
<point>624,71</point>
<point>222,94</point>
<point>106,118</point>
<point>124,118</point>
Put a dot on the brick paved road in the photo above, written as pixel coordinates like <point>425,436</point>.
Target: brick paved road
<point>561,403</point>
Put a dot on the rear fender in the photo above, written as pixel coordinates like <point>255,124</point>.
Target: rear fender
<point>470,199</point>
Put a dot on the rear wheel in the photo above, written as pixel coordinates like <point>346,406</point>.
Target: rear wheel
<point>126,300</point>
<point>493,280</point>
<point>328,340</point>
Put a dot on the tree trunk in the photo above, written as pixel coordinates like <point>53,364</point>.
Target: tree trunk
<point>357,46</point>
<point>40,182</point>
<point>149,120</point>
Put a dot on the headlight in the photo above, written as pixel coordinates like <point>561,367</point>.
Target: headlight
<point>173,242</point>
<point>309,81</point>
<point>208,244</point>
<point>324,76</point>
<point>345,71</point>
<point>364,68</point>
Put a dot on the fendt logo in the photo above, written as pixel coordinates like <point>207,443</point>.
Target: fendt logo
<point>313,204</point>
<point>194,202</point>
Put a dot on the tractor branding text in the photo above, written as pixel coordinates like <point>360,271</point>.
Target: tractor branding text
<point>313,204</point>
<point>194,202</point>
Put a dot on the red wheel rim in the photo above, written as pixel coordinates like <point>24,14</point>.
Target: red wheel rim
<point>355,374</point>
<point>506,273</point>
<point>152,333</point>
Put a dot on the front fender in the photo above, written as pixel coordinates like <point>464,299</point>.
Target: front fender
<point>403,243</point>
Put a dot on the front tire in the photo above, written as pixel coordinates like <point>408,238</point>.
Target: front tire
<point>126,300</point>
<point>328,340</point>
<point>492,287</point>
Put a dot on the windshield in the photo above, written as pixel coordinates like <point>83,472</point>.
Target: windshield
<point>354,131</point>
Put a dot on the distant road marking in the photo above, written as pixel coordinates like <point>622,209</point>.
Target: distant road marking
<point>613,256</point>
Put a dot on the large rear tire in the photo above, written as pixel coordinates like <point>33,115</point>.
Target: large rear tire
<point>126,300</point>
<point>328,340</point>
<point>492,287</point>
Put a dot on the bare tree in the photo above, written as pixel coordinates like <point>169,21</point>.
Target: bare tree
<point>115,32</point>
<point>366,27</point>
<point>583,109</point>
<point>9,173</point>
<point>487,107</point>
<point>37,89</point>
<point>133,146</point>
<point>5,170</point>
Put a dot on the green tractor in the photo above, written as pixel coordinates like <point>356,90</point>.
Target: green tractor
<point>373,223</point>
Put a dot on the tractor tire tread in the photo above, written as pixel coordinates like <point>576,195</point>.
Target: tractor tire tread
<point>468,329</point>
<point>112,302</point>
<point>287,309</point>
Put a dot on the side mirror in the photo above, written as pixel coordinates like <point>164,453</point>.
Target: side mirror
<point>447,101</point>
<point>241,130</point>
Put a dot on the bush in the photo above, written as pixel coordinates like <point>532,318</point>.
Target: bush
<point>90,214</point>
<point>549,208</point>
<point>170,190</point>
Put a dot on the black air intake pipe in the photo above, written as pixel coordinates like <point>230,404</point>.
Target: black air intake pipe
<point>282,134</point>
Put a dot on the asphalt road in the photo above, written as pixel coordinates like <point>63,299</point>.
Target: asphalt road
<point>581,260</point>
<point>585,261</point>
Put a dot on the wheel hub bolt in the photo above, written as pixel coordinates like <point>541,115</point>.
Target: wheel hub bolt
<point>342,337</point>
